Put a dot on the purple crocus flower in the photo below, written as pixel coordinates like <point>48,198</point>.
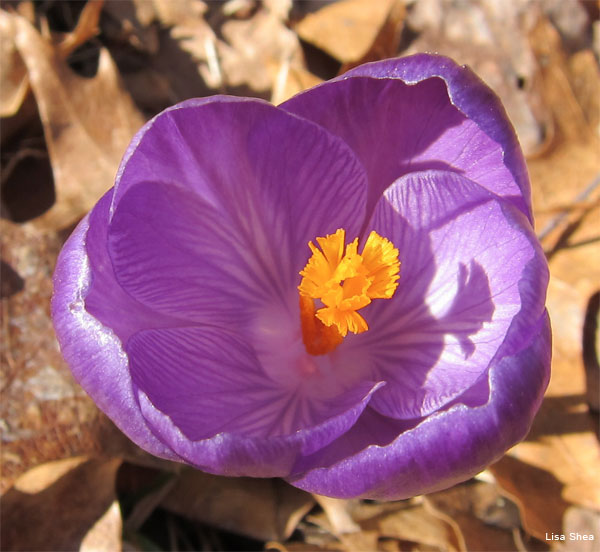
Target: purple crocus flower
<point>344,291</point>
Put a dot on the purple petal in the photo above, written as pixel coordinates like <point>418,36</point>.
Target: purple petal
<point>470,265</point>
<point>444,449</point>
<point>418,113</point>
<point>206,395</point>
<point>217,201</point>
<point>105,299</point>
<point>92,350</point>
<point>173,252</point>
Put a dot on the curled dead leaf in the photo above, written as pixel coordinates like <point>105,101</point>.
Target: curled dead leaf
<point>401,525</point>
<point>277,507</point>
<point>254,51</point>
<point>87,124</point>
<point>14,83</point>
<point>64,505</point>
<point>346,30</point>
<point>86,28</point>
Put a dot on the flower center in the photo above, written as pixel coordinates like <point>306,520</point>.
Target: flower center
<point>343,282</point>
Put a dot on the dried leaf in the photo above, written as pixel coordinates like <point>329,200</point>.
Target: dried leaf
<point>64,505</point>
<point>491,38</point>
<point>175,13</point>
<point>537,493</point>
<point>290,81</point>
<point>88,124</point>
<point>585,82</point>
<point>338,514</point>
<point>179,49</point>
<point>336,519</point>
<point>413,523</point>
<point>579,522</point>
<point>559,463</point>
<point>43,476</point>
<point>300,547</point>
<point>276,507</point>
<point>279,8</point>
<point>148,503</point>
<point>568,113</point>
<point>45,414</point>
<point>131,22</point>
<point>346,30</point>
<point>238,8</point>
<point>591,352</point>
<point>195,37</point>
<point>14,83</point>
<point>256,49</point>
<point>402,521</point>
<point>483,519</point>
<point>363,540</point>
<point>572,157</point>
<point>387,41</point>
<point>86,28</point>
<point>105,534</point>
<point>251,56</point>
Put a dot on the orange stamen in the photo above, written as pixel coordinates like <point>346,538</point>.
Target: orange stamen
<point>344,282</point>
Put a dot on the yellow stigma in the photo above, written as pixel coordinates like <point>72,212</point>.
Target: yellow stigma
<point>344,282</point>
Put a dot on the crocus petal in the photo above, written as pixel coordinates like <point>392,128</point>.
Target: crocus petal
<point>460,289</point>
<point>274,181</point>
<point>175,253</point>
<point>442,450</point>
<point>419,122</point>
<point>205,394</point>
<point>105,299</point>
<point>92,350</point>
